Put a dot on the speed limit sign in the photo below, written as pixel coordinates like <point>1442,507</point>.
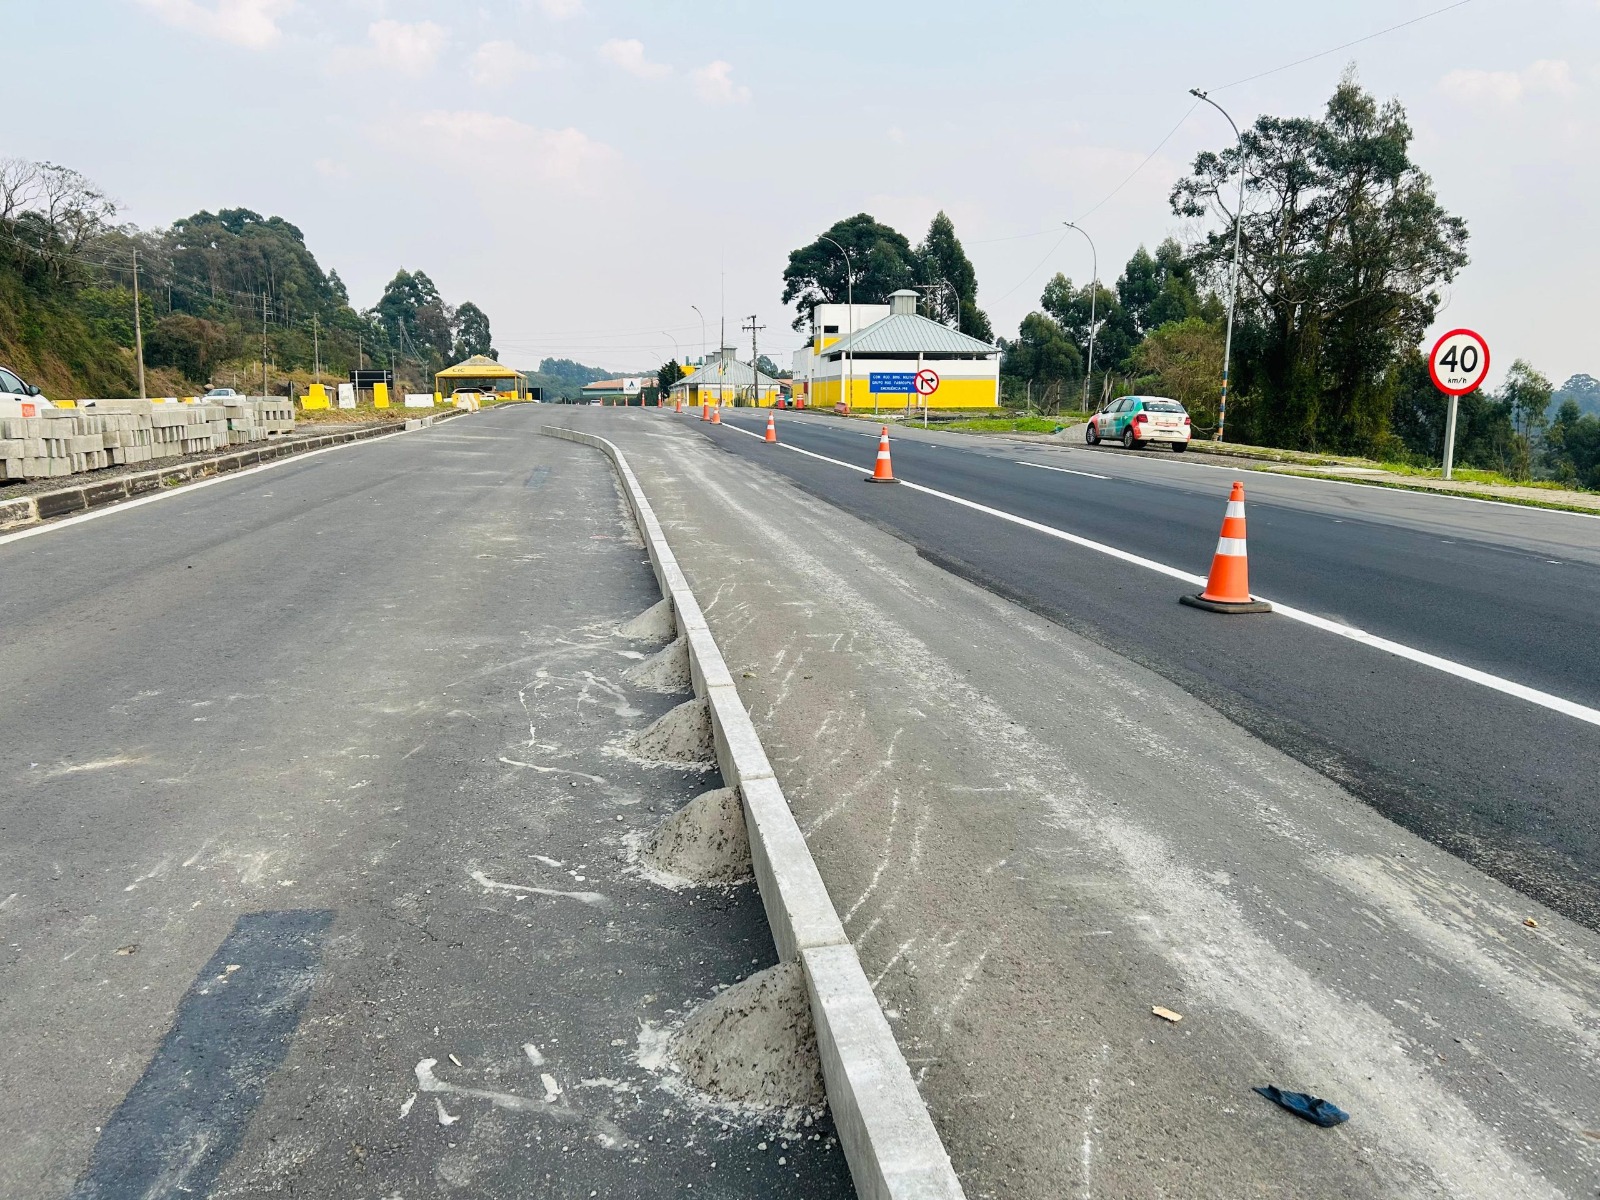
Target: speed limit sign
<point>1459,362</point>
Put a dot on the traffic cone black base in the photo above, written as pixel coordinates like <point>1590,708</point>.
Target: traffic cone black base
<point>1224,606</point>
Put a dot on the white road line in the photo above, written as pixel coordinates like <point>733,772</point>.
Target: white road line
<point>1437,493</point>
<point>183,490</point>
<point>1063,470</point>
<point>1570,708</point>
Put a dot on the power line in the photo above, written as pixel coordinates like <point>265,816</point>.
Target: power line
<point>1146,161</point>
<point>1343,46</point>
<point>1032,272</point>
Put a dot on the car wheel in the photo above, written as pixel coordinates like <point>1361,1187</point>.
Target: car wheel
<point>1091,435</point>
<point>1180,447</point>
<point>1129,442</point>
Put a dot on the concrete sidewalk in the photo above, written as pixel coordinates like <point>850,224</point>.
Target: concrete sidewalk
<point>1033,842</point>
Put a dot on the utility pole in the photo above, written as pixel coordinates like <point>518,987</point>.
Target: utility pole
<point>264,391</point>
<point>316,349</point>
<point>138,329</point>
<point>755,371</point>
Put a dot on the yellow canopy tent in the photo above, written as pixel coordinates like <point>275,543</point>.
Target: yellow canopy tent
<point>482,374</point>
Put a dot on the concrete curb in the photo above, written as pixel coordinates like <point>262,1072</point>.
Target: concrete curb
<point>45,506</point>
<point>889,1140</point>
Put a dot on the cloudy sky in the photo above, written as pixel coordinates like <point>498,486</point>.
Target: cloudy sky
<point>586,170</point>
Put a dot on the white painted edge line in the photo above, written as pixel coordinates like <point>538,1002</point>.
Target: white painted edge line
<point>189,486</point>
<point>1179,461</point>
<point>1307,477</point>
<point>1509,687</point>
<point>893,1150</point>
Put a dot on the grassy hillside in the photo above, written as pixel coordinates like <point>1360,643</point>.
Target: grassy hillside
<point>47,341</point>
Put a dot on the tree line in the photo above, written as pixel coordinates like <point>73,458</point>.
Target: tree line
<point>1345,251</point>
<point>216,291</point>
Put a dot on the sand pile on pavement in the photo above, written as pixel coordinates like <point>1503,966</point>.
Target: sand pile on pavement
<point>680,736</point>
<point>703,842</point>
<point>667,671</point>
<point>654,624</point>
<point>755,1044</point>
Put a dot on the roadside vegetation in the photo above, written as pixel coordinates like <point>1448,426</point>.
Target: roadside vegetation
<point>218,292</point>
<point>1345,255</point>
<point>1009,424</point>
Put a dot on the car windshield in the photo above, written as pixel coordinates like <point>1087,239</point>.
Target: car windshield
<point>1167,406</point>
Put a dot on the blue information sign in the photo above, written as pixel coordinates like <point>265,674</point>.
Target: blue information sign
<point>892,381</point>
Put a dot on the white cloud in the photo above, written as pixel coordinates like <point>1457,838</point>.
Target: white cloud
<point>627,54</point>
<point>714,84</point>
<point>1551,77</point>
<point>498,62</point>
<point>490,143</point>
<point>560,10</point>
<point>251,23</point>
<point>409,48</point>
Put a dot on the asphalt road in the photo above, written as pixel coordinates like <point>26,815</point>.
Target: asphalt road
<point>314,872</point>
<point>1033,840</point>
<point>1505,784</point>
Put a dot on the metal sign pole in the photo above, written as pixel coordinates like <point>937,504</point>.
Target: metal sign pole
<point>1450,437</point>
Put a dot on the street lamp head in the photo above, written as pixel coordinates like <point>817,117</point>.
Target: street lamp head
<point>1197,93</point>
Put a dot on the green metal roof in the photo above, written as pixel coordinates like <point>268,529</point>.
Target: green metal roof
<point>734,374</point>
<point>909,335</point>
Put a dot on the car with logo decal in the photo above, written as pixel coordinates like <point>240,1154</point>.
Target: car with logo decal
<point>12,387</point>
<point>1136,421</point>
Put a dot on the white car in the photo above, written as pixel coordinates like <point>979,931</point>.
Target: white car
<point>220,394</point>
<point>1135,421</point>
<point>12,388</point>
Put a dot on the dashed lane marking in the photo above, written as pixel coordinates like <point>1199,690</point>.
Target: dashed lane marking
<point>1508,687</point>
<point>1063,470</point>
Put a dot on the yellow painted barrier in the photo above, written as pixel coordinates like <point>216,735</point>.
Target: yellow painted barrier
<point>66,404</point>
<point>380,395</point>
<point>316,397</point>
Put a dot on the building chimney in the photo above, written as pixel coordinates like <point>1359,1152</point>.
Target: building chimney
<point>903,303</point>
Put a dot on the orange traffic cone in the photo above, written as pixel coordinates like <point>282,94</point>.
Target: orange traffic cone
<point>1228,587</point>
<point>882,470</point>
<point>716,415</point>
<point>677,405</point>
<point>772,429</point>
<point>705,412</point>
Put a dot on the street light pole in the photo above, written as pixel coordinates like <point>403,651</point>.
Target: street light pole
<point>676,355</point>
<point>850,304</point>
<point>1233,285</point>
<point>1094,295</point>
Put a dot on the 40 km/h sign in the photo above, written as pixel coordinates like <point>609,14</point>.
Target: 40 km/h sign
<point>927,382</point>
<point>1459,362</point>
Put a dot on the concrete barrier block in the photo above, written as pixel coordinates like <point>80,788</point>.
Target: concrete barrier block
<point>800,912</point>
<point>889,1140</point>
<point>739,751</point>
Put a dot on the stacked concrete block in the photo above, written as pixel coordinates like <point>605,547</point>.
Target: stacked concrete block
<point>44,447</point>
<point>109,433</point>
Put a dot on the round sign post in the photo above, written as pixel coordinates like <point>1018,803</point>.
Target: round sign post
<point>926,381</point>
<point>1458,364</point>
